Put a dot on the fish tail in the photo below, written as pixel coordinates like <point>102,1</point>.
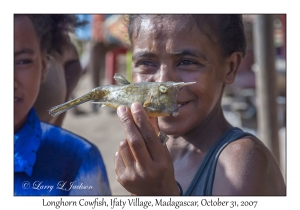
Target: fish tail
<point>56,110</point>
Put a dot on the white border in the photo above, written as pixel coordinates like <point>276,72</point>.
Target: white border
<point>153,6</point>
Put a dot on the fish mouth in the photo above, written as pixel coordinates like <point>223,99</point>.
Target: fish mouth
<point>174,113</point>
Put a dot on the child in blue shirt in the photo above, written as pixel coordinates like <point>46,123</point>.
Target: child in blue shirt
<point>48,160</point>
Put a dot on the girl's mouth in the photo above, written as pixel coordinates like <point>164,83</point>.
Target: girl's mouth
<point>182,104</point>
<point>16,101</point>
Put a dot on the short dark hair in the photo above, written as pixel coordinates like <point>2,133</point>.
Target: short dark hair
<point>227,29</point>
<point>52,30</point>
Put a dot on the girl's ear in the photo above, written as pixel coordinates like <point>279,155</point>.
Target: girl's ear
<point>232,65</point>
<point>44,66</point>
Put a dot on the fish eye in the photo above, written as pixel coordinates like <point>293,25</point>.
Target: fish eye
<point>163,89</point>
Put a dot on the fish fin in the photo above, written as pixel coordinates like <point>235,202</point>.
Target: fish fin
<point>146,103</point>
<point>101,104</point>
<point>163,137</point>
<point>148,100</point>
<point>120,79</point>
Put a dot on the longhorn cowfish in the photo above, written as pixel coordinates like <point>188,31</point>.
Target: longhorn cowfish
<point>157,98</point>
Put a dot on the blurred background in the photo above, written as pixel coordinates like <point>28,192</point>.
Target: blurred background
<point>256,101</point>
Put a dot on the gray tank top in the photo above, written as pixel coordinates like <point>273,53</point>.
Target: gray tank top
<point>203,181</point>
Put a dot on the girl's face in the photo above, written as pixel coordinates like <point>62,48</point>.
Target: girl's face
<point>29,68</point>
<point>174,50</point>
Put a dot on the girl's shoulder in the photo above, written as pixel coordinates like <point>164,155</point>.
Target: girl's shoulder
<point>247,167</point>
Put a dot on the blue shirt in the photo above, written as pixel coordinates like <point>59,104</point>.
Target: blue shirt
<point>49,160</point>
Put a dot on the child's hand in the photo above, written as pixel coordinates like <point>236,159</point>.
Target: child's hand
<point>142,164</point>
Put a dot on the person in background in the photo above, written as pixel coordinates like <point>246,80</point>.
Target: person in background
<point>205,154</point>
<point>63,73</point>
<point>48,160</point>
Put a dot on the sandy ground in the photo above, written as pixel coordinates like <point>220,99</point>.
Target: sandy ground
<point>102,128</point>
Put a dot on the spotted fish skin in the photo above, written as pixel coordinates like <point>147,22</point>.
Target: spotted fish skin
<point>155,102</point>
<point>158,98</point>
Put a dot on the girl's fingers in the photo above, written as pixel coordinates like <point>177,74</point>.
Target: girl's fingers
<point>119,165</point>
<point>154,123</point>
<point>134,138</point>
<point>126,154</point>
<point>154,146</point>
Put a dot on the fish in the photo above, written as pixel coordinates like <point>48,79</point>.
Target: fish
<point>157,98</point>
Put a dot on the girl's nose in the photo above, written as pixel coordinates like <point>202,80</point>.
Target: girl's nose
<point>166,73</point>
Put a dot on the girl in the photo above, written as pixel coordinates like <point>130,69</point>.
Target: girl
<point>205,155</point>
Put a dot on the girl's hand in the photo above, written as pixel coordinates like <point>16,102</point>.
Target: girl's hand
<point>142,164</point>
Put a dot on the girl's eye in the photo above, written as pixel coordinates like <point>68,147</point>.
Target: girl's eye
<point>23,62</point>
<point>145,63</point>
<point>186,62</point>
